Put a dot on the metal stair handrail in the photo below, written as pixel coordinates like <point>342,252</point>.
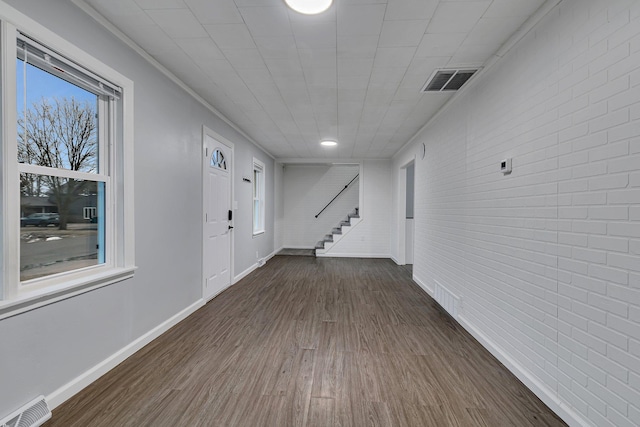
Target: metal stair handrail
<point>345,187</point>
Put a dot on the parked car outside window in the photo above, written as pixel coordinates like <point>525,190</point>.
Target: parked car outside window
<point>40,219</point>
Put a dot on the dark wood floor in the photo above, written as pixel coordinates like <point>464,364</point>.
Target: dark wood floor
<point>312,342</point>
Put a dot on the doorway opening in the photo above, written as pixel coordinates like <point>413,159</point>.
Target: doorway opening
<point>409,208</point>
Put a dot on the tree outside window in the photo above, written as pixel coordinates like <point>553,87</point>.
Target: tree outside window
<point>58,150</point>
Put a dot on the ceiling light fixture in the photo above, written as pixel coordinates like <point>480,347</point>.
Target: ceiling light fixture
<point>328,143</point>
<point>309,7</point>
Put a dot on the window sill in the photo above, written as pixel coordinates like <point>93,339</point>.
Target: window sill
<point>258,233</point>
<point>41,297</point>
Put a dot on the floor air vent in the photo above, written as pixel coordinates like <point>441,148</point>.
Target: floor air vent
<point>32,414</point>
<point>448,80</point>
<point>447,300</point>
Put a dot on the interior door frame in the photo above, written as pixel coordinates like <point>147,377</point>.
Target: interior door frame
<point>402,211</point>
<point>204,164</point>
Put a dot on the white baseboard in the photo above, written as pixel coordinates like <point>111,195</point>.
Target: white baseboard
<point>77,384</point>
<point>423,285</point>
<point>296,247</point>
<point>545,394</point>
<point>351,255</point>
<point>395,260</point>
<point>254,266</point>
<point>271,255</point>
<point>245,273</point>
<point>541,391</point>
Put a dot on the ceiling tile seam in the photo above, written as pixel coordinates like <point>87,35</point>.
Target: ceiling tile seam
<point>476,25</point>
<point>158,8</point>
<point>293,147</point>
<point>518,35</point>
<point>394,95</point>
<point>162,29</point>
<point>306,83</point>
<point>426,30</point>
<point>264,107</point>
<point>313,105</point>
<point>292,144</point>
<point>467,37</point>
<point>387,109</point>
<point>402,124</point>
<point>196,16</point>
<point>276,125</point>
<point>89,10</point>
<point>337,136</point>
<point>249,88</point>
<point>355,141</point>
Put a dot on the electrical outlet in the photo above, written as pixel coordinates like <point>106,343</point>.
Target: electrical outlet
<point>505,166</point>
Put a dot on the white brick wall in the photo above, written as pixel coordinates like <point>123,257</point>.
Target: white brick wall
<point>306,190</point>
<point>370,238</point>
<point>547,259</point>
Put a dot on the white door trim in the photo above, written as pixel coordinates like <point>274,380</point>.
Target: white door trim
<point>203,165</point>
<point>402,210</point>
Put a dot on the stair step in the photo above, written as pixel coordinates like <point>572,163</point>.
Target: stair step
<point>337,231</point>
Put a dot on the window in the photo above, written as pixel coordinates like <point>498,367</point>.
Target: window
<point>218,160</point>
<point>59,123</point>
<point>90,213</point>
<point>258,197</point>
<point>66,161</point>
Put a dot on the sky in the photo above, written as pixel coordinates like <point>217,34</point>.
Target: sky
<point>41,84</point>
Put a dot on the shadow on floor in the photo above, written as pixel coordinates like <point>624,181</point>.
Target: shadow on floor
<point>297,252</point>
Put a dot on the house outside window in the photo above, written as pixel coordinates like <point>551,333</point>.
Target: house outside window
<point>66,161</point>
<point>90,213</point>
<point>258,197</point>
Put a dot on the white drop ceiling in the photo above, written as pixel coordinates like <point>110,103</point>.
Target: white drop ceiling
<point>353,74</point>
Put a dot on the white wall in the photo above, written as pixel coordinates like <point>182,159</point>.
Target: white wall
<point>371,236</point>
<point>547,259</point>
<point>245,243</point>
<point>307,189</point>
<point>278,184</point>
<point>409,233</point>
<point>44,349</point>
<point>403,183</point>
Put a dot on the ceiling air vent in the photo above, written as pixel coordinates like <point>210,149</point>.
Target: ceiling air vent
<point>445,80</point>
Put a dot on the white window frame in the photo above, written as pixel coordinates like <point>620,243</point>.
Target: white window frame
<point>259,167</point>
<point>14,296</point>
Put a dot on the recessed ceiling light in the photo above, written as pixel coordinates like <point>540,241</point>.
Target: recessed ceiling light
<point>328,143</point>
<point>309,7</point>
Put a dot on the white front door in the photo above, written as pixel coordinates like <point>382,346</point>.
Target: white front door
<point>217,221</point>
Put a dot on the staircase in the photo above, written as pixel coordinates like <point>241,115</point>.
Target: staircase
<point>337,233</point>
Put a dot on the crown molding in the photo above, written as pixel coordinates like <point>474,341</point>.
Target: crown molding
<point>93,13</point>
